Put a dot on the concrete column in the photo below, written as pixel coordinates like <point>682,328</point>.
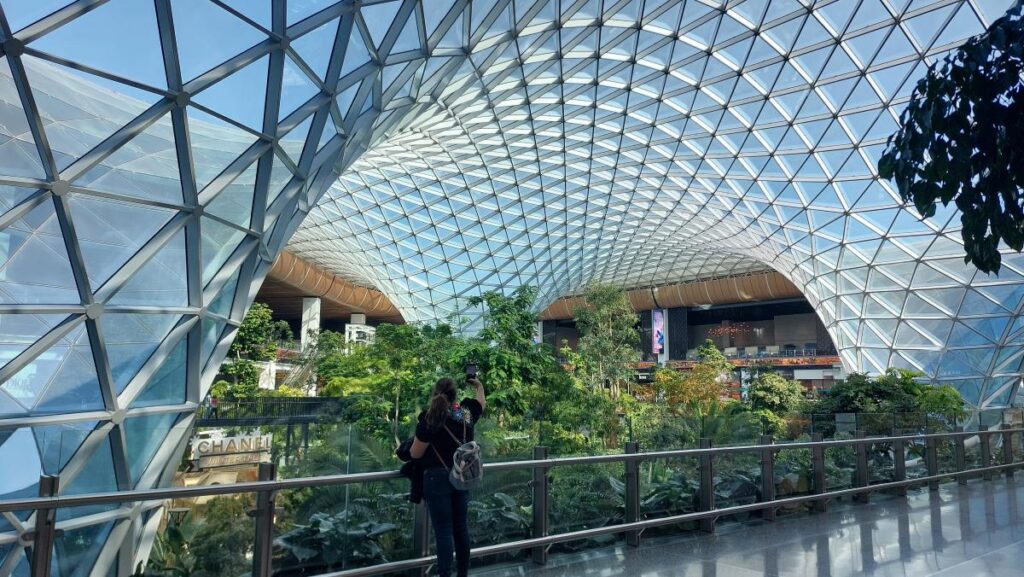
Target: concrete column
<point>310,321</point>
<point>538,332</point>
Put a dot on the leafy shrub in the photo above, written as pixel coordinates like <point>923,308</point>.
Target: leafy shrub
<point>329,542</point>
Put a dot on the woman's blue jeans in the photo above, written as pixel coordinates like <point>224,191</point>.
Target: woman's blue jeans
<point>449,514</point>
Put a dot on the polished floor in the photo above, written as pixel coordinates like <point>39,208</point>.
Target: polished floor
<point>975,530</point>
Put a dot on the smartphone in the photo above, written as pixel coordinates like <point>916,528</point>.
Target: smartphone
<point>471,371</point>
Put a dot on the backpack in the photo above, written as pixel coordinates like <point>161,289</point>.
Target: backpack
<point>467,466</point>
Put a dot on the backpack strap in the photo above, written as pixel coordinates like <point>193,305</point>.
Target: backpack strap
<point>439,458</point>
<point>454,438</point>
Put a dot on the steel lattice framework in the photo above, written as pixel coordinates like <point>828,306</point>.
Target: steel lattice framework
<point>156,155</point>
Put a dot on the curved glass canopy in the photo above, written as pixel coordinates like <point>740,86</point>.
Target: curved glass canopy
<point>155,157</point>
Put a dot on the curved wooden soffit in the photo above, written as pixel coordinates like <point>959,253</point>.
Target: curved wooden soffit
<point>311,280</point>
<point>729,290</point>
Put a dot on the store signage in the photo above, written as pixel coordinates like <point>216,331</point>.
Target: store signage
<point>253,444</point>
<point>230,460</point>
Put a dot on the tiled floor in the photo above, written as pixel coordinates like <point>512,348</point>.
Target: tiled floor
<point>975,531</point>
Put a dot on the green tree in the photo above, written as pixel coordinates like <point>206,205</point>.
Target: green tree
<point>895,391</point>
<point>703,386</point>
<point>773,393</point>
<point>245,379</point>
<point>958,141</point>
<point>941,401</point>
<point>518,372</point>
<point>609,340</point>
<point>258,334</point>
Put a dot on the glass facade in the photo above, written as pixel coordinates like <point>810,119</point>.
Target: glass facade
<point>155,157</point>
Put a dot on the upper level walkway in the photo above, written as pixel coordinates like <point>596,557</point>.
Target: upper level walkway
<point>975,530</point>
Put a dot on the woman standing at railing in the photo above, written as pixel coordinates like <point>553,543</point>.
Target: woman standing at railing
<point>441,430</point>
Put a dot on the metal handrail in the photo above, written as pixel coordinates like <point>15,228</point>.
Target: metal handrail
<point>267,487</point>
<point>511,546</point>
<point>355,478</point>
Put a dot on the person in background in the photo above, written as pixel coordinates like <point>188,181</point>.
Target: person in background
<point>442,428</point>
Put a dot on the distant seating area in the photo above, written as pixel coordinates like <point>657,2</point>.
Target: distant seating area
<point>769,351</point>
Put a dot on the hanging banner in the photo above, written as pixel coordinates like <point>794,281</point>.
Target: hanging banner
<point>657,331</point>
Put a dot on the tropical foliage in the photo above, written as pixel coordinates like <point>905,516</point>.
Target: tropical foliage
<point>958,141</point>
<point>587,402</point>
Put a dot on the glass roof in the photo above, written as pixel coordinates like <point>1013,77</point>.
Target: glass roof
<point>156,157</point>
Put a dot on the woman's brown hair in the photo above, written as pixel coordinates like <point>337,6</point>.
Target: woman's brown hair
<point>441,399</point>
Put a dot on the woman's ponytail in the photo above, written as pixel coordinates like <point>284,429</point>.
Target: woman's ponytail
<point>440,400</point>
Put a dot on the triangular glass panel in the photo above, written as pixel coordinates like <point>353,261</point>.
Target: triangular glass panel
<point>223,97</point>
<point>80,547</point>
<point>279,177</point>
<point>234,203</point>
<point>145,167</point>
<point>433,17</point>
<point>212,331</point>
<point>63,379</point>
<point>22,330</point>
<point>110,232</point>
<point>21,13</point>
<point>329,132</point>
<point>219,242</point>
<point>80,110</point>
<point>258,12</point>
<point>18,153</point>
<point>167,385</point>
<point>100,38</point>
<point>58,443</point>
<point>300,10</point>
<point>20,482</point>
<point>296,88</point>
<point>131,339</point>
<point>221,305</point>
<point>215,145</point>
<point>293,142</point>
<point>34,266</point>
<point>143,436</point>
<point>316,46</point>
<point>162,281</point>
<point>96,476</point>
<point>379,18</point>
<point>453,37</point>
<point>409,38</point>
<point>208,35</point>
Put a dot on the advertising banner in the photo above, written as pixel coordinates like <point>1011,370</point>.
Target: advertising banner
<point>657,331</point>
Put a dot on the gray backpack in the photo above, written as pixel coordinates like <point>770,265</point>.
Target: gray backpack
<point>467,466</point>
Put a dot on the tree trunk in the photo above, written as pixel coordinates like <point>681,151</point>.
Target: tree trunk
<point>394,424</point>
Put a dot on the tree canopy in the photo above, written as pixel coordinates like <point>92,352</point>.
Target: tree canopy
<point>958,141</point>
<point>608,338</point>
<point>772,392</point>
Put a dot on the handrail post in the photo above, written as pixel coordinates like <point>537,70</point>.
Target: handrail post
<point>899,463</point>
<point>707,487</point>
<point>632,493</point>
<point>931,460</point>
<point>861,472</point>
<point>540,505</point>
<point>264,514</point>
<point>818,472</point>
<point>1007,449</point>
<point>420,536</point>
<point>767,477</point>
<point>45,528</point>
<point>986,451</point>
<point>960,456</point>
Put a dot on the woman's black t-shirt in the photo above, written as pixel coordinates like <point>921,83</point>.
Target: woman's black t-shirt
<point>439,438</point>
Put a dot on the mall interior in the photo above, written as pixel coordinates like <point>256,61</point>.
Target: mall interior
<point>359,164</point>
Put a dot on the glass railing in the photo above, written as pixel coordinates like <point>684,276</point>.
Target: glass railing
<point>349,513</point>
